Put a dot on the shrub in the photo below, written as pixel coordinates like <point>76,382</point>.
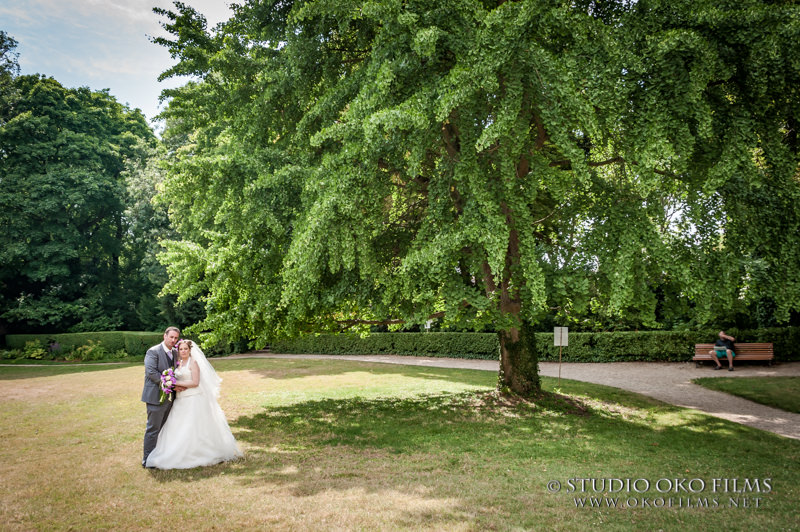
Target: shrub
<point>133,343</point>
<point>92,350</point>
<point>111,340</point>
<point>56,350</point>
<point>35,350</point>
<point>10,354</point>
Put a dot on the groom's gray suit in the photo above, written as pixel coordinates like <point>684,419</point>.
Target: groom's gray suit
<point>155,362</point>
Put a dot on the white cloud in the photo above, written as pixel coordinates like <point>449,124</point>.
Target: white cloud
<point>99,43</point>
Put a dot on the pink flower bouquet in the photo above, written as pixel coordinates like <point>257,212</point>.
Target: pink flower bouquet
<point>168,381</point>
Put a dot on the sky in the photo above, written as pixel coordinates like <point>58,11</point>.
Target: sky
<point>100,44</point>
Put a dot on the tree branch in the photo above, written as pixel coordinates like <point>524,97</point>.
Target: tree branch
<point>351,323</point>
<point>568,164</point>
<point>450,136</point>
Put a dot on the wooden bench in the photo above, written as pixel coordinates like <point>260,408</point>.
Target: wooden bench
<point>743,352</point>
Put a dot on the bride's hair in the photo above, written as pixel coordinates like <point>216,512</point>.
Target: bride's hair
<point>181,341</point>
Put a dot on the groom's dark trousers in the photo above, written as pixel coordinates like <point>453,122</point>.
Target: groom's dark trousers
<point>155,362</point>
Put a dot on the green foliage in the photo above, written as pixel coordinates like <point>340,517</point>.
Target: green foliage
<point>34,350</point>
<point>9,68</point>
<point>92,350</point>
<point>785,340</point>
<point>10,354</point>
<point>666,346</point>
<point>672,346</point>
<point>110,342</point>
<point>147,226</point>
<point>137,343</point>
<point>458,345</point>
<point>651,346</point>
<point>8,58</point>
<point>633,164</point>
<point>65,260</point>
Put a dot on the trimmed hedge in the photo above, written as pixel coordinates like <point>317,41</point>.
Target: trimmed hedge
<point>133,343</point>
<point>671,346</point>
<point>137,343</point>
<point>785,340</point>
<point>665,346</point>
<point>432,344</point>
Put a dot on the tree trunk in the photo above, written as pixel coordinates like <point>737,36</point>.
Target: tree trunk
<point>519,362</point>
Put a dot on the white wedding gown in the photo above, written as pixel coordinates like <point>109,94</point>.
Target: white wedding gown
<point>196,432</point>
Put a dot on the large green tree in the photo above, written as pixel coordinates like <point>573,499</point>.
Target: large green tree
<point>483,162</point>
<point>9,66</point>
<point>63,228</point>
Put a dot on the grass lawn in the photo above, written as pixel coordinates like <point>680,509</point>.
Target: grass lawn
<point>780,392</point>
<point>333,444</point>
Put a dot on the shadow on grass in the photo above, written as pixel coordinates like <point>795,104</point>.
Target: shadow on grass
<point>282,440</point>
<point>392,442</point>
<point>484,460</point>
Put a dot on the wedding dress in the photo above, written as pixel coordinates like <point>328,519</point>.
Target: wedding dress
<point>196,432</point>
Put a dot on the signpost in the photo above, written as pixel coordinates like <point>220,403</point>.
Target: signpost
<point>560,338</point>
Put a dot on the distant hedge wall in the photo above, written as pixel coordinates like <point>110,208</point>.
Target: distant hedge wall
<point>623,346</point>
<point>137,343</point>
<point>674,346</point>
<point>671,346</point>
<point>132,342</point>
<point>457,345</point>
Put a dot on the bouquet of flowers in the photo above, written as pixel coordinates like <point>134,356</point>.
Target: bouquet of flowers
<point>168,381</point>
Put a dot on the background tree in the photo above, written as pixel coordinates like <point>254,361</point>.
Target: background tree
<point>147,226</point>
<point>9,66</point>
<point>62,205</point>
<point>486,163</point>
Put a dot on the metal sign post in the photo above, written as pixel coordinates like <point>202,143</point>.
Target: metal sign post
<point>560,338</point>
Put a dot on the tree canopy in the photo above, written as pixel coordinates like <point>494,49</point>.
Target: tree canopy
<point>65,250</point>
<point>9,65</point>
<point>485,163</point>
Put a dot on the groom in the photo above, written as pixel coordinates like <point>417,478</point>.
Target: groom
<point>158,358</point>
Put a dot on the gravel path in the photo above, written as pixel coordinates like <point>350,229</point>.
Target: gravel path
<point>666,381</point>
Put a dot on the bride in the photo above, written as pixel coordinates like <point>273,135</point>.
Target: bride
<point>196,432</point>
